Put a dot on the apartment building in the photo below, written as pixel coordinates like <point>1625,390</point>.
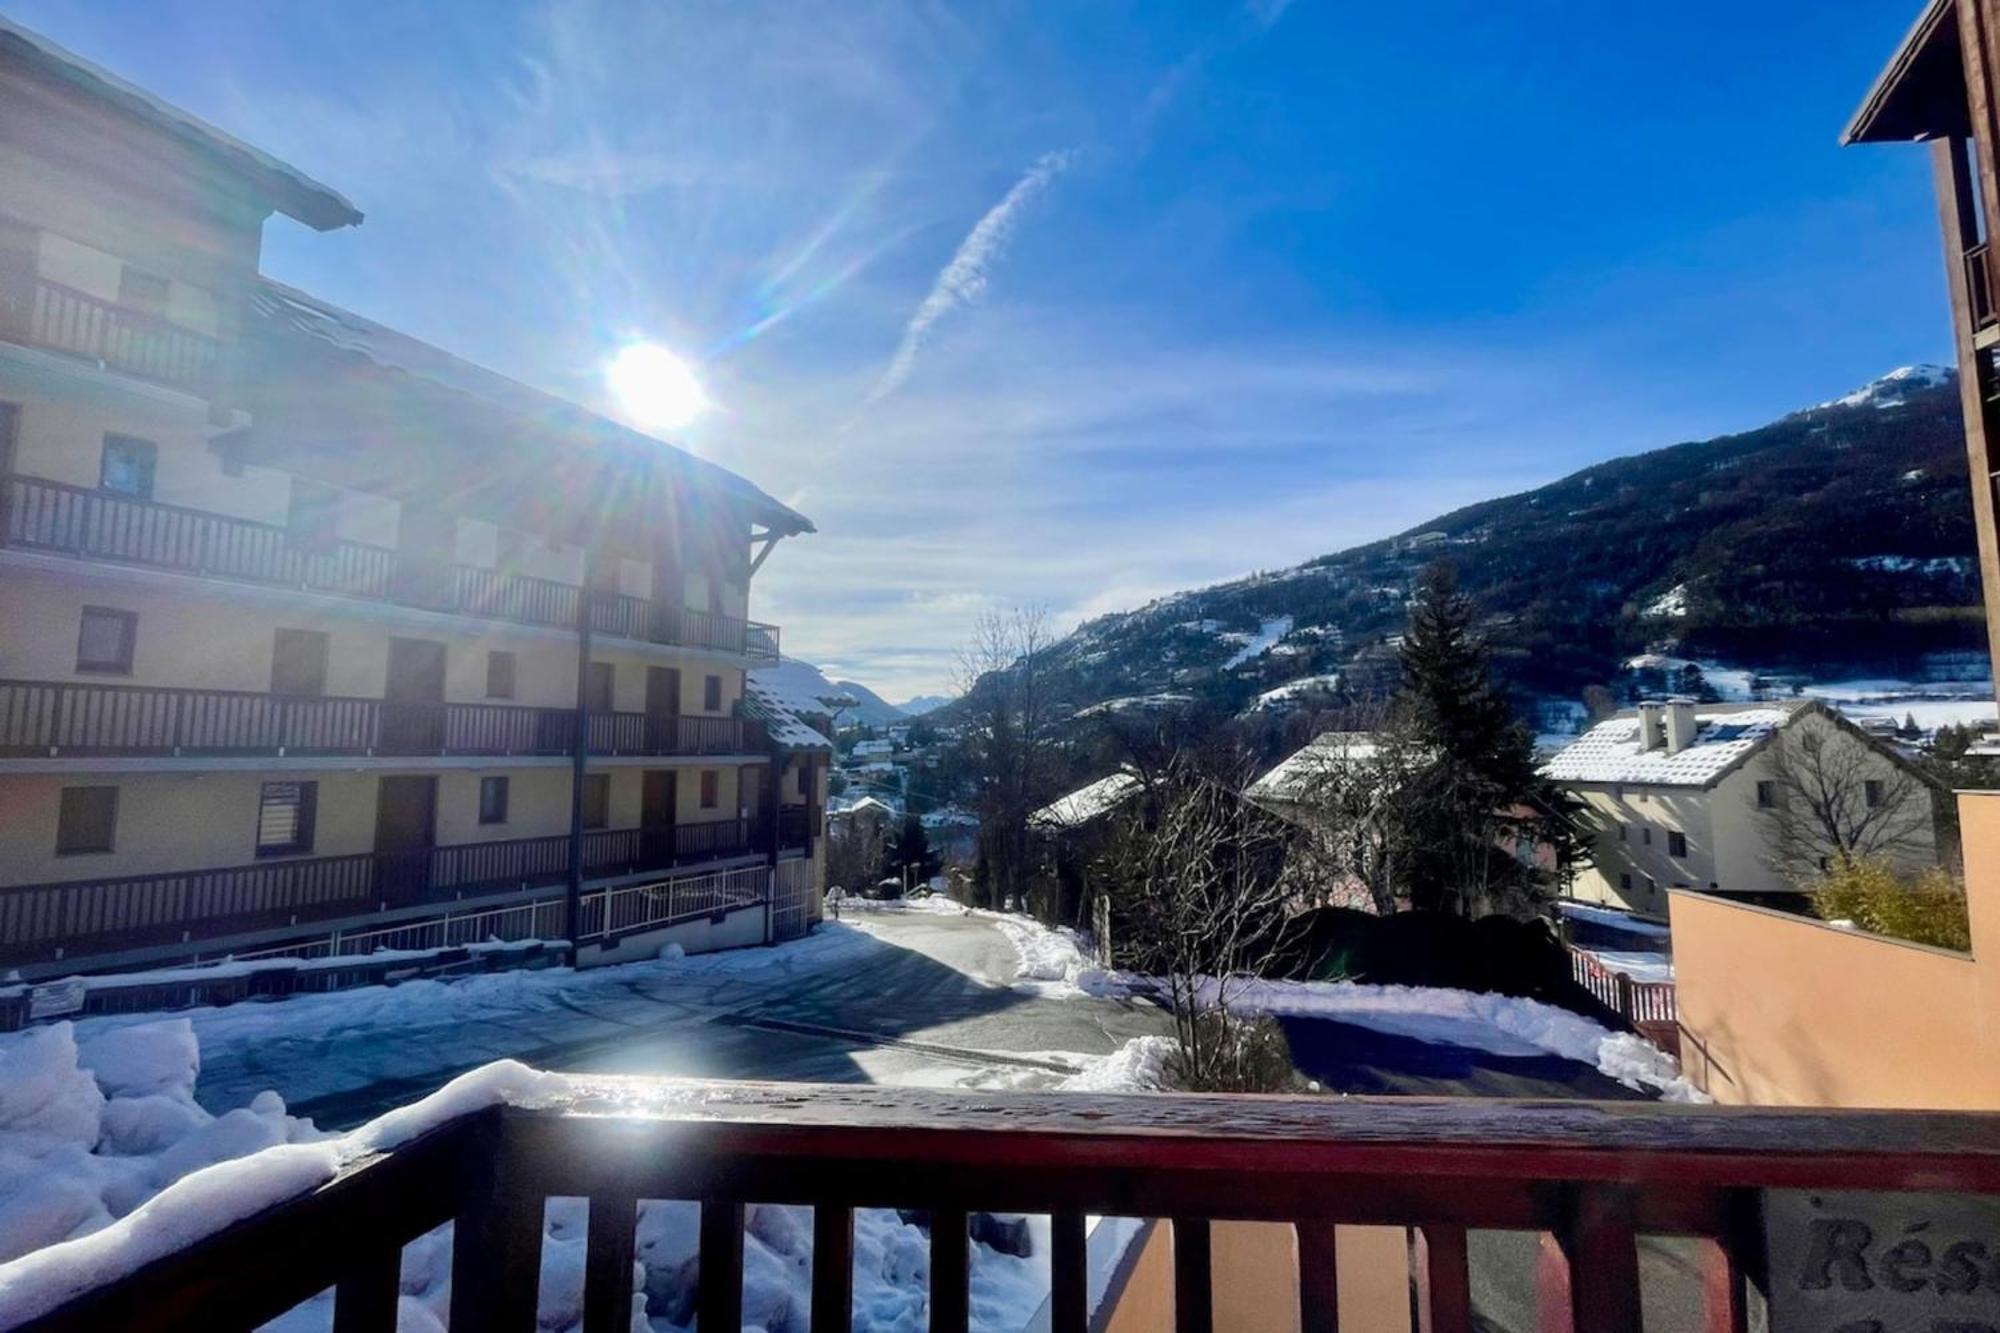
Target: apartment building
<point>1735,800</point>
<point>309,630</point>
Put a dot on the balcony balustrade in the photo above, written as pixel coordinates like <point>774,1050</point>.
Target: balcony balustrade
<point>57,719</point>
<point>98,525</point>
<point>1588,1178</point>
<point>39,313</point>
<point>77,918</point>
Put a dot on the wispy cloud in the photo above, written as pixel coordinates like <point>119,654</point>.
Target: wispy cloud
<point>1266,13</point>
<point>964,278</point>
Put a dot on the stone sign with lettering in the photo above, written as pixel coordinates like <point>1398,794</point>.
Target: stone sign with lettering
<point>1856,1262</point>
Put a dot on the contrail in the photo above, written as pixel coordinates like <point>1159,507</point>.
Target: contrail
<point>962,280</point>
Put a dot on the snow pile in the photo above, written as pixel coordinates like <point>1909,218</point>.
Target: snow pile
<point>1047,954</point>
<point>1499,1024</point>
<point>1670,604</point>
<point>106,1162</point>
<point>1140,1065</point>
<point>1636,964</point>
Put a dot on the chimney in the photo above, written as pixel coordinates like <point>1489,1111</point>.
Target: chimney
<point>1649,724</point>
<point>1680,725</point>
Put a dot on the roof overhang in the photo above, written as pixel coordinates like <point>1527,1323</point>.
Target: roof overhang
<point>1920,93</point>
<point>289,190</point>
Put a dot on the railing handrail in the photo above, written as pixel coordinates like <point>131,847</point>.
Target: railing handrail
<point>1592,1176</point>
<point>146,318</point>
<point>614,614</point>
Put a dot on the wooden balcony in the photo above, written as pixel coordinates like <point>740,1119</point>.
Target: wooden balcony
<point>45,314</point>
<point>1589,1178</point>
<point>38,515</point>
<point>70,719</point>
<point>77,918</point>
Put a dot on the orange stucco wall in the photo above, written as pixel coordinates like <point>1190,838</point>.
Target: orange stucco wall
<point>1776,1010</point>
<point>1254,1275</point>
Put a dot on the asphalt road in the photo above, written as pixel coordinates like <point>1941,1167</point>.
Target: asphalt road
<point>929,1000</point>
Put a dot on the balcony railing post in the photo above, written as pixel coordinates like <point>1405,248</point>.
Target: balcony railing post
<point>607,1264</point>
<point>496,1251</point>
<point>719,1298</point>
<point>56,720</point>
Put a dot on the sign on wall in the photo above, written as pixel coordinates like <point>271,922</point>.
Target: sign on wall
<point>1858,1262</point>
<point>56,998</point>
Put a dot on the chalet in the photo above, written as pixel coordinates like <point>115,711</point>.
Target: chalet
<point>1741,800</point>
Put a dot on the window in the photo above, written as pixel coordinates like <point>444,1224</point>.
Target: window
<point>314,516</point>
<point>711,693</point>
<point>1625,883</point>
<point>1871,793</point>
<point>598,687</point>
<point>1677,843</point>
<point>140,290</point>
<point>1652,889</point>
<point>285,818</point>
<point>86,820</point>
<point>298,663</point>
<point>493,800</point>
<point>711,789</point>
<point>499,675</point>
<point>1767,794</point>
<point>597,800</point>
<point>104,639</point>
<point>1646,836</point>
<point>1623,833</point>
<point>127,467</point>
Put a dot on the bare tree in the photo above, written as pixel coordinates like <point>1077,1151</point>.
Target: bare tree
<point>1199,900</point>
<point>1837,797</point>
<point>1003,678</point>
<point>1343,792</point>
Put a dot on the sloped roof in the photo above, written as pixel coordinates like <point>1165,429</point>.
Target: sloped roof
<point>1289,779</point>
<point>1609,752</point>
<point>1087,802</point>
<point>288,312</point>
<point>1920,93</point>
<point>290,190</point>
<point>788,730</point>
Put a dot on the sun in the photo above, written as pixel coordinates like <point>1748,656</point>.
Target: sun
<point>655,387</point>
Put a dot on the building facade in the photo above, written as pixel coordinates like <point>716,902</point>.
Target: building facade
<point>304,624</point>
<point>1940,87</point>
<point>1743,801</point>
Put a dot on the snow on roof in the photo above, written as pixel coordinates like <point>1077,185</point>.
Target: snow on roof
<point>1087,802</point>
<point>294,193</point>
<point>802,688</point>
<point>1291,777</point>
<point>1609,751</point>
<point>866,805</point>
<point>301,313</point>
<point>788,730</point>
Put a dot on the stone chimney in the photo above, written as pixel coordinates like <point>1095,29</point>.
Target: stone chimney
<point>1650,734</point>
<point>1680,725</point>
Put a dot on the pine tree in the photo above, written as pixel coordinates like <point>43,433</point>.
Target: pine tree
<point>1473,795</point>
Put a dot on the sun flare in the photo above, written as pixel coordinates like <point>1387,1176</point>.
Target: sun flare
<point>655,387</point>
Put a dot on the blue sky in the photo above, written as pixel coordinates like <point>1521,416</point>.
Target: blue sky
<point>1082,303</point>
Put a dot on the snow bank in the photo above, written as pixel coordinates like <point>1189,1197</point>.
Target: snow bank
<point>1048,954</point>
<point>1140,1065</point>
<point>107,1163</point>
<point>1499,1024</point>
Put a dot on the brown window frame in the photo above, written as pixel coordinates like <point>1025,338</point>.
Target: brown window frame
<point>600,687</point>
<point>711,789</point>
<point>306,802</point>
<point>128,647</point>
<point>1677,843</point>
<point>501,673</point>
<point>493,795</point>
<point>67,840</point>
<point>142,448</point>
<point>312,680</point>
<point>711,694</point>
<point>597,800</point>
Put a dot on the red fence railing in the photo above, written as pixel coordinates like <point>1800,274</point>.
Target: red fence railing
<point>1587,1179</point>
<point>1636,1001</point>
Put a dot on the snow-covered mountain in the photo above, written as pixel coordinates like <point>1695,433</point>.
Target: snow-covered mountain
<point>924,703</point>
<point>1835,537</point>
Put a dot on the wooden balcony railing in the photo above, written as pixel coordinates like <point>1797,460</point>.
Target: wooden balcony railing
<point>50,516</point>
<point>66,320</point>
<point>52,719</point>
<point>1590,1178</point>
<point>76,918</point>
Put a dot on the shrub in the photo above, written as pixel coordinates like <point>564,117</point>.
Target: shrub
<point>1233,1053</point>
<point>1925,908</point>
